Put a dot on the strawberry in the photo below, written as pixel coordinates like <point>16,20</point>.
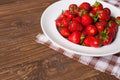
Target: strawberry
<point>94,16</point>
<point>86,6</point>
<point>108,35</point>
<point>81,12</point>
<point>75,26</point>
<point>62,16</point>
<point>92,41</point>
<point>86,20</point>
<point>103,15</point>
<point>95,42</point>
<point>73,8</point>
<point>101,25</point>
<point>107,40</point>
<point>91,30</point>
<point>112,26</point>
<point>69,14</point>
<point>78,19</point>
<point>75,37</point>
<point>65,22</point>
<point>64,32</point>
<point>58,22</point>
<point>87,40</point>
<point>97,6</point>
<point>107,10</point>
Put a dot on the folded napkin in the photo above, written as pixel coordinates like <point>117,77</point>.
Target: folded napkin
<point>108,64</point>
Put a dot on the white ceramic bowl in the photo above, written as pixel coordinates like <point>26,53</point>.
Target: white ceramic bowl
<point>49,28</point>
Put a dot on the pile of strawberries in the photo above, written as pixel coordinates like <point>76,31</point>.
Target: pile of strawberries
<point>88,25</point>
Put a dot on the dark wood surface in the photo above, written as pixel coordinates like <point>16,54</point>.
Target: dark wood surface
<point>21,58</point>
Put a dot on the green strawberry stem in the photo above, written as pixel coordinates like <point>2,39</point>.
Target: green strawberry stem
<point>109,23</point>
<point>82,38</point>
<point>104,35</point>
<point>96,4</point>
<point>63,11</point>
<point>82,12</point>
<point>117,21</point>
<point>95,17</point>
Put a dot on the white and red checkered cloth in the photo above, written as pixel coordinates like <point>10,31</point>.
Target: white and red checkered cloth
<point>108,64</point>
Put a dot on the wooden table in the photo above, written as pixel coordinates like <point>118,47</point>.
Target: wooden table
<point>21,58</point>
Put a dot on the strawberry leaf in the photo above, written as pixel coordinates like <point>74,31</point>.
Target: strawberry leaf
<point>96,4</point>
<point>82,12</point>
<point>117,21</point>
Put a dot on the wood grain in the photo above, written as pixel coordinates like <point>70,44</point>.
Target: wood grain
<point>21,58</point>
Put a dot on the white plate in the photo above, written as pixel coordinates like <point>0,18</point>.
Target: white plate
<point>49,28</point>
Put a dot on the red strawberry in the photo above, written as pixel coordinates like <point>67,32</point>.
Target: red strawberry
<point>58,22</point>
<point>62,16</point>
<point>75,26</point>
<point>107,10</point>
<point>97,6</point>
<point>65,22</point>
<point>69,14</point>
<point>64,32</point>
<point>75,37</point>
<point>82,12</point>
<point>86,20</point>
<point>91,30</point>
<point>108,35</point>
<point>113,26</point>
<point>103,15</point>
<point>73,8</point>
<point>92,41</point>
<point>85,5</point>
<point>101,25</point>
<point>87,40</point>
<point>95,42</point>
<point>112,29</point>
<point>107,40</point>
<point>78,19</point>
